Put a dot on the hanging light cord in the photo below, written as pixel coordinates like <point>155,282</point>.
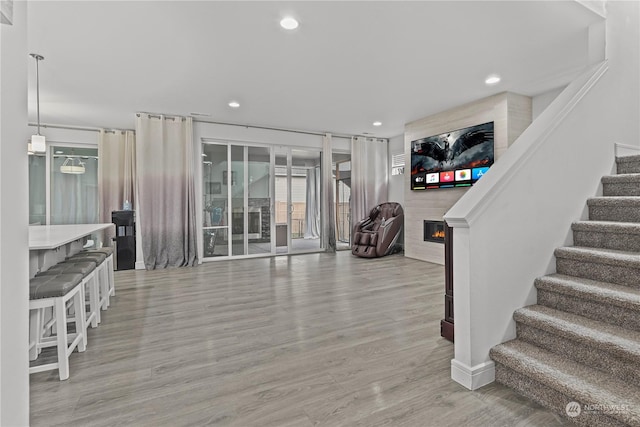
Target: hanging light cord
<point>37,58</point>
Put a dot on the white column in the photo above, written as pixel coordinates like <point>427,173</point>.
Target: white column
<point>14,218</point>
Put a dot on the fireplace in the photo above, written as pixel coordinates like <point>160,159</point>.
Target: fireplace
<point>434,231</point>
<point>254,220</point>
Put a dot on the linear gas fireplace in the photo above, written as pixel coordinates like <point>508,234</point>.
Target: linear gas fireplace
<point>434,231</point>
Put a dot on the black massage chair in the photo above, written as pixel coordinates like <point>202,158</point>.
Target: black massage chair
<point>378,234</point>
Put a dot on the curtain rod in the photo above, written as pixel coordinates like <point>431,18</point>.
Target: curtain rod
<point>213,122</point>
<point>84,128</point>
<point>304,132</point>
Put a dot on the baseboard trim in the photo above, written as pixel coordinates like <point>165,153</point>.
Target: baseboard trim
<point>140,265</point>
<point>473,377</point>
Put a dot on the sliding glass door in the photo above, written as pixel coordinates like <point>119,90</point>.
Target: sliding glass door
<point>236,200</point>
<point>74,185</point>
<point>215,218</point>
<point>298,207</point>
<point>342,183</point>
<point>259,200</point>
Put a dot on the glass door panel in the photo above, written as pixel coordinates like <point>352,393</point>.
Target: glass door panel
<point>236,180</point>
<point>74,185</point>
<point>282,197</point>
<point>259,200</point>
<point>37,189</point>
<point>342,183</point>
<point>305,201</point>
<point>215,215</point>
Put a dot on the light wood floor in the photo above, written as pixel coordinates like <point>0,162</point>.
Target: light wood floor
<point>320,339</point>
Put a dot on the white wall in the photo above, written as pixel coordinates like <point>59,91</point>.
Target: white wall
<point>14,215</point>
<point>541,101</point>
<point>508,225</point>
<point>68,136</point>
<point>397,182</point>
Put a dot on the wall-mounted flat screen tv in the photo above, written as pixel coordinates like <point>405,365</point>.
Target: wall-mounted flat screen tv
<point>453,159</point>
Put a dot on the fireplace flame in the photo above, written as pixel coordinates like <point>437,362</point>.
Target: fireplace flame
<point>439,234</point>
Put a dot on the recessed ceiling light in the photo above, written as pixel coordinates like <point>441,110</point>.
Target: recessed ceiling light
<point>204,155</point>
<point>289,23</point>
<point>234,104</point>
<point>377,123</point>
<point>492,79</point>
<point>59,152</point>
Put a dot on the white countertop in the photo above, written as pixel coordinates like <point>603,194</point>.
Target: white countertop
<point>55,236</point>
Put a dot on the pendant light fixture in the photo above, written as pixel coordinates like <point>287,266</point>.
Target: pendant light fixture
<point>72,165</point>
<point>38,142</point>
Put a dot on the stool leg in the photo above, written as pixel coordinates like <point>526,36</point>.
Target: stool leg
<point>61,339</point>
<point>80,317</point>
<point>112,282</point>
<point>94,301</point>
<point>104,286</point>
<point>35,332</point>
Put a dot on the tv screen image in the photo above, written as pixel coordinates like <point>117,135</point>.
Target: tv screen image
<point>453,159</point>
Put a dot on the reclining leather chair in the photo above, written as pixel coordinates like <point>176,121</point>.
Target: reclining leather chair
<point>377,235</point>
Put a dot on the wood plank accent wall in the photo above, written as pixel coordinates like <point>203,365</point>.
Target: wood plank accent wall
<point>511,114</point>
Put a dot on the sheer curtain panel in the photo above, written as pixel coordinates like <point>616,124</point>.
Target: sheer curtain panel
<point>312,207</point>
<point>166,190</point>
<point>369,175</point>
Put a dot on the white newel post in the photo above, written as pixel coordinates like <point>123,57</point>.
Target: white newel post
<point>465,369</point>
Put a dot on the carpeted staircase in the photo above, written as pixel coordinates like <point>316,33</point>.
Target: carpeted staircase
<point>581,342</point>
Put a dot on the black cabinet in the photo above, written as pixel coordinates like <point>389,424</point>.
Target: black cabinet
<point>125,222</point>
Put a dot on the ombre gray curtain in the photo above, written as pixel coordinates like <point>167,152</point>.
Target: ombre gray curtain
<point>369,175</point>
<point>116,174</point>
<point>312,206</point>
<point>166,214</point>
<point>116,171</point>
<point>328,196</point>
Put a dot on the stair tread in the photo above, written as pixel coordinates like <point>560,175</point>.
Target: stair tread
<point>587,385</point>
<point>614,201</point>
<point>607,226</point>
<point>628,159</point>
<point>612,338</point>
<point>623,177</point>
<point>610,293</point>
<point>605,256</point>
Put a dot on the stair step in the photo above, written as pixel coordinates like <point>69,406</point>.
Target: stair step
<point>607,235</point>
<point>614,304</point>
<point>628,164</point>
<point>554,382</point>
<point>614,208</point>
<point>606,265</point>
<point>599,345</point>
<point>621,185</point>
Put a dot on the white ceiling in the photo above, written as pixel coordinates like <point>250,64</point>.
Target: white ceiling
<point>349,63</point>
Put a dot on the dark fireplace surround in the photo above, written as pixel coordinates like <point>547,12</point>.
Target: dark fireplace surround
<point>440,232</point>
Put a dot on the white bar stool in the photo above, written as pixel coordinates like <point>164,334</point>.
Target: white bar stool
<point>56,291</point>
<point>90,282</point>
<point>98,259</point>
<point>108,251</point>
